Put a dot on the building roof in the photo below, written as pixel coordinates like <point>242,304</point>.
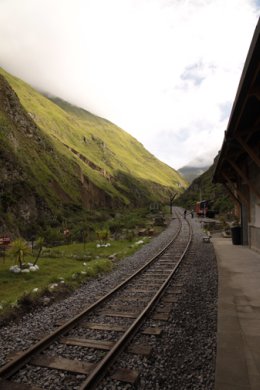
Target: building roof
<point>242,137</point>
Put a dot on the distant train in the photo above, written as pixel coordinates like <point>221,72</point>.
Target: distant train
<point>4,240</point>
<point>202,209</point>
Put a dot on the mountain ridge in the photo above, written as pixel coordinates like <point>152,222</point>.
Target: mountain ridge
<point>202,188</point>
<point>190,172</point>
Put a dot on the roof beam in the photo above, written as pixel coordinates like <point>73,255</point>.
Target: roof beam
<point>244,177</point>
<point>257,70</point>
<point>240,194</point>
<point>232,194</point>
<point>255,91</point>
<point>249,151</point>
<point>248,132</point>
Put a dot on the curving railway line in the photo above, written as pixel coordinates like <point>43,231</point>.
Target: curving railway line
<point>116,318</point>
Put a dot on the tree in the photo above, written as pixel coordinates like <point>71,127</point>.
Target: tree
<point>39,245</point>
<point>18,249</point>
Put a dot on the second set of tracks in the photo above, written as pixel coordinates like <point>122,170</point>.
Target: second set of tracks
<point>123,312</point>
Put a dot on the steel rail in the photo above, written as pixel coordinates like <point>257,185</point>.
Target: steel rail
<point>103,366</point>
<point>10,368</point>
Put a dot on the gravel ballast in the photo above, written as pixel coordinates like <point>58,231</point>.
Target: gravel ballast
<point>183,356</point>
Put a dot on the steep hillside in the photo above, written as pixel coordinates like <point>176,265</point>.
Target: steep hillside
<point>202,188</point>
<point>57,159</point>
<point>38,184</point>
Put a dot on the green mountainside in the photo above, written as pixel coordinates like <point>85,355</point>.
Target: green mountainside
<point>202,188</point>
<point>58,160</point>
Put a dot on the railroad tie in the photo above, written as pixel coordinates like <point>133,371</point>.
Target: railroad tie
<point>137,349</point>
<point>125,375</point>
<point>122,314</point>
<point>120,328</point>
<point>161,316</point>
<point>59,363</point>
<point>7,385</point>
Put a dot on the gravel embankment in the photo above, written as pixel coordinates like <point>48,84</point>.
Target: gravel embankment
<point>183,356</point>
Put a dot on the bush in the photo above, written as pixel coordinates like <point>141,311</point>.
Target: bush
<point>98,266</point>
<point>102,235</point>
<point>28,300</point>
<point>130,235</point>
<point>19,249</point>
<point>51,235</point>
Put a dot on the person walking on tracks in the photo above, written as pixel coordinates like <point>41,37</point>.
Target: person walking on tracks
<point>185,212</point>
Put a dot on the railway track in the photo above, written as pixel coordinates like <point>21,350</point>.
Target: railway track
<point>115,318</point>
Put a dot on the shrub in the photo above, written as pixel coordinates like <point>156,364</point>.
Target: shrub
<point>98,266</point>
<point>19,249</point>
<point>102,235</point>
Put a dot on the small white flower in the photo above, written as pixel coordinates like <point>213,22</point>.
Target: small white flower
<point>139,242</point>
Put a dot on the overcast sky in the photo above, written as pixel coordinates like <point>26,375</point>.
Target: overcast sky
<point>166,71</point>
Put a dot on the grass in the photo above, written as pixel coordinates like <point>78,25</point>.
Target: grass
<point>70,266</point>
<point>14,286</point>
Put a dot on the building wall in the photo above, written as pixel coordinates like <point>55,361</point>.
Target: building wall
<point>254,224</point>
<point>245,225</point>
<point>244,211</point>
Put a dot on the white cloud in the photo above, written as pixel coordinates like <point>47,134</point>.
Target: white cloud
<point>166,71</point>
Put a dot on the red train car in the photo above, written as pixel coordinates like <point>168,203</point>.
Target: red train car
<point>202,209</point>
<point>5,240</point>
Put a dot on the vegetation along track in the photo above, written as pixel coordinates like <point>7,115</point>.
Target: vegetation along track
<point>122,313</point>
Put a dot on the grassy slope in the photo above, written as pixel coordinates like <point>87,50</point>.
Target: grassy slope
<point>110,148</point>
<point>35,164</point>
<point>56,124</point>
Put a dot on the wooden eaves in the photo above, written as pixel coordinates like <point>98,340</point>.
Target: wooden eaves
<point>241,145</point>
